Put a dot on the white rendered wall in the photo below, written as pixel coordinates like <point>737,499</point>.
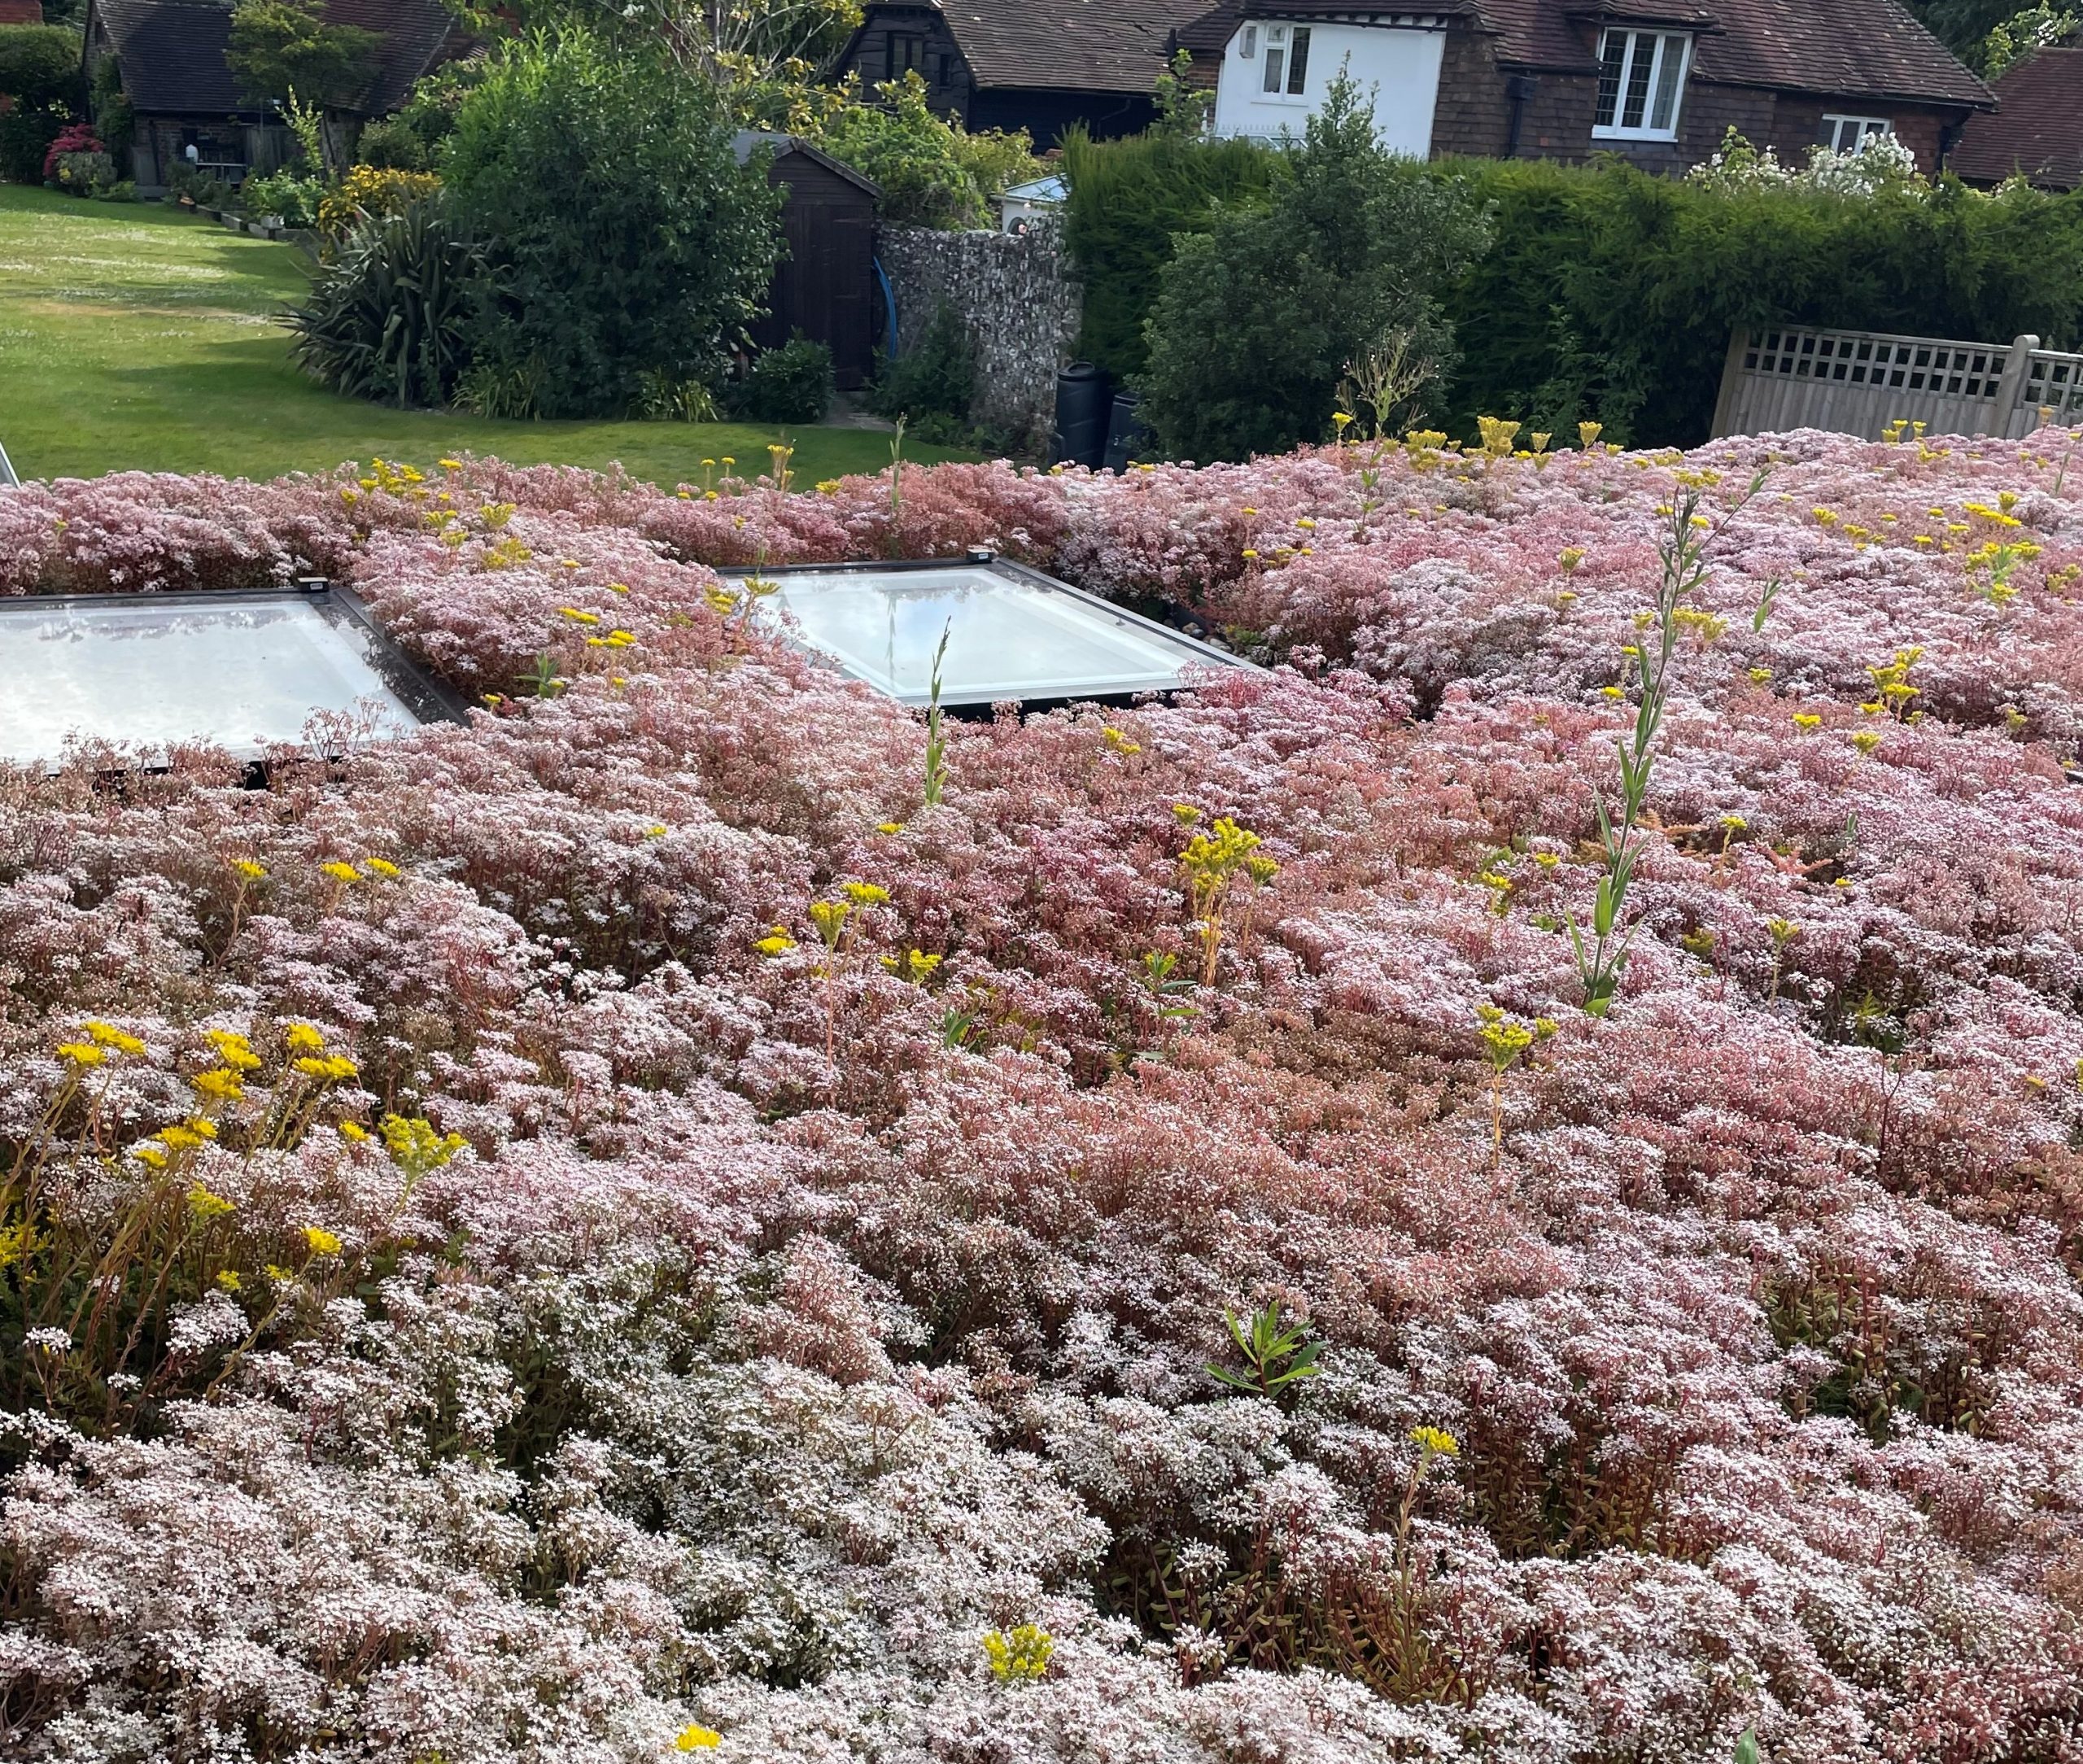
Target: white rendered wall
<point>1398,69</point>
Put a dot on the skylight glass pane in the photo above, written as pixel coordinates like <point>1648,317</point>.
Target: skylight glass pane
<point>1010,635</point>
<point>242,672</point>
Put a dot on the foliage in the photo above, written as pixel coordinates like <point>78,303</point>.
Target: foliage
<point>1608,294</point>
<point>279,48</point>
<point>792,384</point>
<point>76,142</point>
<point>390,144</point>
<point>1741,1397</point>
<point>2018,35</point>
<point>40,68</point>
<point>374,190</point>
<point>1276,1355</point>
<point>1258,320</point>
<point>297,200</point>
<point>626,252</point>
<point>936,377</point>
<point>1184,109</point>
<point>389,316</point>
<point>932,171</point>
<point>1975,29</point>
<point>1129,200</point>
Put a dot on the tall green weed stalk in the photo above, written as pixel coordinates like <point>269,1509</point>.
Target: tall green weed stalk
<point>1602,955</point>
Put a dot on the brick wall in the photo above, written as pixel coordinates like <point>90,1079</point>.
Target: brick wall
<point>1020,299</point>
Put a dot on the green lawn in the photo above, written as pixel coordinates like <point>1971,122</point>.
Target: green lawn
<point>137,336</point>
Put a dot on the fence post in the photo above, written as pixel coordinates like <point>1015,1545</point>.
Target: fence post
<point>1738,340</point>
<point>2011,387</point>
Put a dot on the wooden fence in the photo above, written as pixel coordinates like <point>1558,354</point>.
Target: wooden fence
<point>1857,382</point>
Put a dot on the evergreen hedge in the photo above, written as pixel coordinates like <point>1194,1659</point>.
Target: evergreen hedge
<point>1608,294</point>
<point>1128,199</point>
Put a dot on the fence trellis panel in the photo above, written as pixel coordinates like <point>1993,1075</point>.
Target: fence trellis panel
<point>1857,382</point>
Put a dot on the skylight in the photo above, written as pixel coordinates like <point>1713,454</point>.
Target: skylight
<point>243,671</point>
<point>1012,633</point>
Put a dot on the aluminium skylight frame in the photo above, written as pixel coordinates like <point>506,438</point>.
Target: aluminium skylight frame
<point>1192,651</point>
<point>423,698</point>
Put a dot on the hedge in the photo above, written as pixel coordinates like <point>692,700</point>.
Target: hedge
<point>1608,294</point>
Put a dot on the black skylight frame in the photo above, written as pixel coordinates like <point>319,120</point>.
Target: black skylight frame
<point>976,557</point>
<point>428,699</point>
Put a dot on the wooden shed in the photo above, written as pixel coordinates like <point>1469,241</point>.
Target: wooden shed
<point>826,286</point>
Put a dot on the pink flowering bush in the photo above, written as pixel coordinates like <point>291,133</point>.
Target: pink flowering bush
<point>621,1229</point>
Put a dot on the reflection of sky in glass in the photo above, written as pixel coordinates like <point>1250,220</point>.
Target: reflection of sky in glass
<point>1007,638</point>
<point>144,676</point>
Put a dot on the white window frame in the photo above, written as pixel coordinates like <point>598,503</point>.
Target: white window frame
<point>1845,133</point>
<point>1248,46</point>
<point>1659,47</point>
<point>1277,84</point>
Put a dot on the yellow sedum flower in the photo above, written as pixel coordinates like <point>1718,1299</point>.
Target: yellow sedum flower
<point>247,868</point>
<point>353,1131</point>
<point>694,1737</point>
<point>302,1039</point>
<point>107,1035</point>
<point>1020,1655</point>
<point>205,1205</point>
<point>342,872</point>
<point>320,1241</point>
<point>1435,1442</point>
<point>82,1054</point>
<point>220,1084</point>
<point>382,866</point>
<point>776,942</point>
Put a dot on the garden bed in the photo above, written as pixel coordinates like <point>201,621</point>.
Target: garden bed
<point>623,1225</point>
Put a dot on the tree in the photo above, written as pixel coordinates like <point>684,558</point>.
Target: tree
<point>932,171</point>
<point>630,245</point>
<point>283,47</point>
<point>1258,320</point>
<point>40,81</point>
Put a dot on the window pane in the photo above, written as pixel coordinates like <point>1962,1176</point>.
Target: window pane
<point>1668,72</point>
<point>1276,63</point>
<point>1298,64</point>
<point>1641,62</point>
<point>1613,54</point>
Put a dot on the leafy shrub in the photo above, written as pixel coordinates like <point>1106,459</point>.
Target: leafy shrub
<point>388,318</point>
<point>74,138</point>
<point>936,377</point>
<point>25,137</point>
<point>370,189</point>
<point>932,171</point>
<point>296,199</point>
<point>392,144</point>
<point>791,384</point>
<point>1259,320</point>
<point>1128,198</point>
<point>632,240</point>
<point>40,68</point>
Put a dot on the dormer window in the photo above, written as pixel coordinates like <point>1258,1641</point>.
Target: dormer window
<point>1287,59</point>
<point>1641,80</point>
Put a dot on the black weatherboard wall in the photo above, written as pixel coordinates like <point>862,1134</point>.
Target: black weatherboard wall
<point>826,286</point>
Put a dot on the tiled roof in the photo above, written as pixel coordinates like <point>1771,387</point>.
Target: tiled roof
<point>1846,48</point>
<point>1865,48</point>
<point>171,52</point>
<point>1084,45</point>
<point>2037,127</point>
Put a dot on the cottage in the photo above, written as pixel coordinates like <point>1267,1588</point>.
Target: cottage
<point>170,54</point>
<point>1040,65</point>
<point>1659,82</point>
<point>2037,130</point>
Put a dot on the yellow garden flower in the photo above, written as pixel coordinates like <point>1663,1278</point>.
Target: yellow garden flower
<point>1435,1441</point>
<point>302,1039</point>
<point>694,1737</point>
<point>342,872</point>
<point>320,1241</point>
